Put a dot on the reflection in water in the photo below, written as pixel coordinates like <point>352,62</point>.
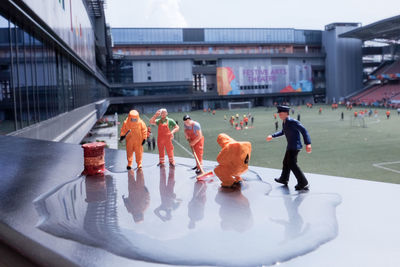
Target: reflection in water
<point>235,209</point>
<point>101,197</point>
<point>294,224</point>
<point>169,201</point>
<point>196,205</point>
<point>94,211</point>
<point>96,190</point>
<point>138,199</point>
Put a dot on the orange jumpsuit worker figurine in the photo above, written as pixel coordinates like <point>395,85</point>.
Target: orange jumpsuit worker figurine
<point>195,138</point>
<point>233,160</point>
<point>166,129</point>
<point>135,132</point>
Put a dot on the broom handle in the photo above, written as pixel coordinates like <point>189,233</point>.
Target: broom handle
<point>197,160</point>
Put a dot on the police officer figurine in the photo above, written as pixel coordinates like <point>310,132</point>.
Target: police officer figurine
<point>292,128</point>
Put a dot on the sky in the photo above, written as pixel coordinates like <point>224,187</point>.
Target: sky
<point>298,14</point>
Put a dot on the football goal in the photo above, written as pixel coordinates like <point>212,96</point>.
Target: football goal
<point>239,105</point>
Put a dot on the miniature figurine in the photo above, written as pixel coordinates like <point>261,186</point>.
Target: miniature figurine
<point>195,138</point>
<point>233,160</point>
<point>166,129</point>
<point>135,132</point>
<point>292,128</point>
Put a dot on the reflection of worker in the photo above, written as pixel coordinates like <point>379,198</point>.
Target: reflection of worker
<point>233,160</point>
<point>168,197</point>
<point>139,198</point>
<point>294,225</point>
<point>235,210</point>
<point>292,128</point>
<point>166,129</point>
<point>135,138</point>
<point>196,205</point>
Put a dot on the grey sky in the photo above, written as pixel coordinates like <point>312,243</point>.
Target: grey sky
<point>299,14</point>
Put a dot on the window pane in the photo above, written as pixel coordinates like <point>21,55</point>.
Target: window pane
<point>7,119</point>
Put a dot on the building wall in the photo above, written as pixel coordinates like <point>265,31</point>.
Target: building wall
<point>71,22</point>
<point>162,71</point>
<point>41,80</point>
<point>343,64</point>
<point>146,36</point>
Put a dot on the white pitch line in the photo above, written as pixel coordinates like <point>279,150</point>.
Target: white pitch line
<point>176,142</point>
<point>184,148</point>
<point>379,165</point>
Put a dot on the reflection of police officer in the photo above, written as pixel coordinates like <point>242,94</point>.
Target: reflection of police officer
<point>294,224</point>
<point>196,205</point>
<point>139,198</point>
<point>168,197</point>
<point>292,128</point>
<point>235,210</point>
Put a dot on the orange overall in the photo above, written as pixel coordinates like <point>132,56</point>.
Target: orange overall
<point>164,142</point>
<point>138,199</point>
<point>233,159</point>
<point>199,146</point>
<point>135,138</point>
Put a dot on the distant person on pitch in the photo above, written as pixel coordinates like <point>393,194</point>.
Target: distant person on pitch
<point>195,138</point>
<point>292,128</point>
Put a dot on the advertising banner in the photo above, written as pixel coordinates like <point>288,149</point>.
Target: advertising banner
<point>264,79</point>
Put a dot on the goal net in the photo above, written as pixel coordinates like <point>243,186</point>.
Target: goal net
<point>239,105</point>
<point>358,121</point>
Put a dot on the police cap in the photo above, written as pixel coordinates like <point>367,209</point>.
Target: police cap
<point>283,109</point>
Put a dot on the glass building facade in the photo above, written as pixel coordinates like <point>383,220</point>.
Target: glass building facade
<point>149,36</point>
<point>38,79</point>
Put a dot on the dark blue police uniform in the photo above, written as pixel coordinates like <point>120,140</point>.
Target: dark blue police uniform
<point>292,129</point>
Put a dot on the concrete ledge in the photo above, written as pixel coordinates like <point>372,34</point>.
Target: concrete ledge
<point>68,127</point>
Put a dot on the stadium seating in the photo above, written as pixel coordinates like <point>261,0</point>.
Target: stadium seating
<point>382,68</point>
<point>386,90</point>
<point>393,68</point>
<point>378,93</point>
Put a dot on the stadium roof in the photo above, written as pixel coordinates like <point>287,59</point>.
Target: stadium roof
<point>384,29</point>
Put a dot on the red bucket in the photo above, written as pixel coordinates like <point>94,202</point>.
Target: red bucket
<point>93,154</point>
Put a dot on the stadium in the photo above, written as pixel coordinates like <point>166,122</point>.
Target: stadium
<point>68,79</point>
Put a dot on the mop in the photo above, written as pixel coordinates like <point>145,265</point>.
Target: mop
<point>203,174</point>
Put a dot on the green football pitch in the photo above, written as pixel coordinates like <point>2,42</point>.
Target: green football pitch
<point>366,148</point>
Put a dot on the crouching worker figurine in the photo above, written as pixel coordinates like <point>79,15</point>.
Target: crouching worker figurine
<point>135,132</point>
<point>233,160</point>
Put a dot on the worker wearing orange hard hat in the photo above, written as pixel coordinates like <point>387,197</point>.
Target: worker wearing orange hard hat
<point>233,160</point>
<point>135,132</point>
